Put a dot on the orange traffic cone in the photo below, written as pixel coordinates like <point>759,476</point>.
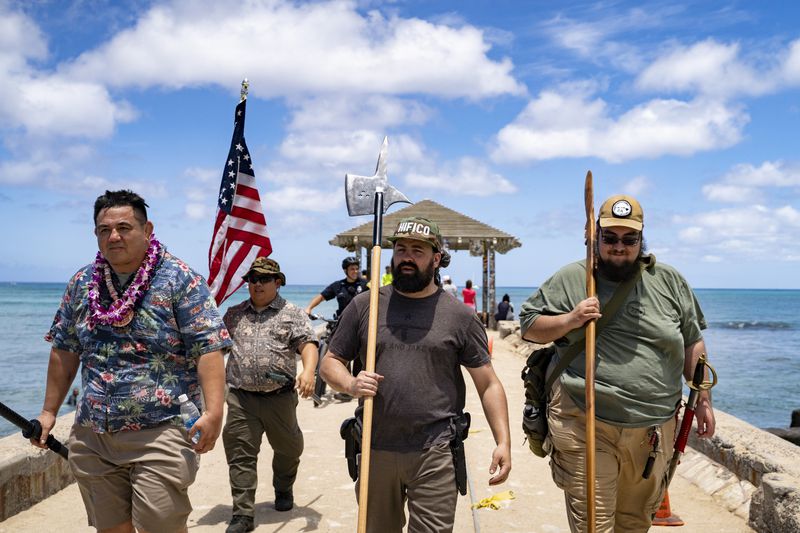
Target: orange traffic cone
<point>664,516</point>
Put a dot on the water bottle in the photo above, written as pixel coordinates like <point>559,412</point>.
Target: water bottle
<point>189,415</point>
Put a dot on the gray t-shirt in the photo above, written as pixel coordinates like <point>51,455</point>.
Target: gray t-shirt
<point>421,345</point>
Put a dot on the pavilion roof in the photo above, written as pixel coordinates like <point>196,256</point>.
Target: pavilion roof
<point>459,231</point>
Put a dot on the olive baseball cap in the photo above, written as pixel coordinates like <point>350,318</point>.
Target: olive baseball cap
<point>622,210</point>
<point>265,265</point>
<point>418,229</point>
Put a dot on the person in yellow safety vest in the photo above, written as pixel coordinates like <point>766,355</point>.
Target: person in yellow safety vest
<point>386,279</point>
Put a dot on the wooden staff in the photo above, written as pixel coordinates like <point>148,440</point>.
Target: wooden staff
<point>591,292</point>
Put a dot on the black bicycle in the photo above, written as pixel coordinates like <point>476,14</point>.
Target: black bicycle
<point>319,384</point>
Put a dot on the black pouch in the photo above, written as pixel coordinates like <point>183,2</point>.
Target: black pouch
<point>534,416</point>
<point>350,431</point>
<point>460,425</point>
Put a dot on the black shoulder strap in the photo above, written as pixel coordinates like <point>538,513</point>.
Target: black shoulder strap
<point>609,311</point>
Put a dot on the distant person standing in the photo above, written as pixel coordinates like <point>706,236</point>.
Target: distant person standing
<point>143,329</point>
<point>449,287</point>
<point>386,279</point>
<point>268,334</point>
<point>73,398</point>
<point>505,311</point>
<point>469,295</point>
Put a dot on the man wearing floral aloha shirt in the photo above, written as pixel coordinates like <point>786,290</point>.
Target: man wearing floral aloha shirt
<point>143,329</point>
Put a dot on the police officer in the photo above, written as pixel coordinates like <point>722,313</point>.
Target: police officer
<point>343,290</point>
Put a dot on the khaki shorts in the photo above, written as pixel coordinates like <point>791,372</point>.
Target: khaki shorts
<point>141,476</point>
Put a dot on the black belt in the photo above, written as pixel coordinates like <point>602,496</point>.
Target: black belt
<point>289,387</point>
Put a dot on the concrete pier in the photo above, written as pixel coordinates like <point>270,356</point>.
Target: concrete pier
<point>705,494</point>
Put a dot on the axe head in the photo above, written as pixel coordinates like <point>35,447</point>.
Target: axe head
<point>360,190</point>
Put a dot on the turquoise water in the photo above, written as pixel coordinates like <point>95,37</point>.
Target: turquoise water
<point>753,341</point>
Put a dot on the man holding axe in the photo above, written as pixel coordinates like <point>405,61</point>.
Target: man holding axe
<point>424,337</point>
<point>651,335</point>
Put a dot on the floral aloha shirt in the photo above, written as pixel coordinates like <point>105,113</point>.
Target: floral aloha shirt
<point>266,343</point>
<point>132,375</point>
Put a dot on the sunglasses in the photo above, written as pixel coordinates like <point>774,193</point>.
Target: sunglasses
<point>627,240</point>
<point>256,278</point>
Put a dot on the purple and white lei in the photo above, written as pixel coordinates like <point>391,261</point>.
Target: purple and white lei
<point>120,312</point>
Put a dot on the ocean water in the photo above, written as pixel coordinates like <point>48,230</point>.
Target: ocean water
<point>753,340</point>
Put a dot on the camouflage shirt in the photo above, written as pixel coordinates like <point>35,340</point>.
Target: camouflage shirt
<point>265,342</point>
<point>132,375</point>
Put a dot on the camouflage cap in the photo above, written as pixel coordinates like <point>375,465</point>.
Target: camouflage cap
<point>265,265</point>
<point>418,229</point>
<point>622,210</point>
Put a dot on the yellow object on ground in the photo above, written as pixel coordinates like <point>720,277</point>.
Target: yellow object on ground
<point>493,502</point>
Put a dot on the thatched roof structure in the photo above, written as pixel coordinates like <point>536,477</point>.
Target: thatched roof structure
<point>459,231</point>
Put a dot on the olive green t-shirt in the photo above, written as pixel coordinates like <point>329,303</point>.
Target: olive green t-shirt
<point>640,352</point>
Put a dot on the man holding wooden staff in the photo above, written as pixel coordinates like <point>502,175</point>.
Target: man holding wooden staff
<point>424,337</point>
<point>643,346</point>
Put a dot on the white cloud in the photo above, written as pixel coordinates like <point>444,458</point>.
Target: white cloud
<point>340,111</point>
<point>721,192</point>
<point>746,183</point>
<point>637,186</point>
<point>769,174</point>
<point>791,66</point>
<point>335,149</point>
<point>286,48</point>
<point>571,125</point>
<point>197,211</point>
<point>293,199</point>
<point>594,38</point>
<point>711,68</point>
<point>753,231</point>
<point>469,177</point>
<point>43,103</point>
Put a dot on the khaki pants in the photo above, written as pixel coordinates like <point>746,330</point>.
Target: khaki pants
<point>426,479</point>
<point>143,476</point>
<point>625,502</point>
<point>250,416</point>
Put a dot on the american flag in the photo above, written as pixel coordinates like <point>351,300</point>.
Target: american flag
<point>240,230</point>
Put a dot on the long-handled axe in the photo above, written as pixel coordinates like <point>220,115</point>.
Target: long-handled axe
<point>32,429</point>
<point>370,195</point>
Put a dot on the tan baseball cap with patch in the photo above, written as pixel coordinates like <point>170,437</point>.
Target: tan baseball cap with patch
<point>622,210</point>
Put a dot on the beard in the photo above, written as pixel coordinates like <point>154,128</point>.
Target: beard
<point>413,282</point>
<point>617,273</point>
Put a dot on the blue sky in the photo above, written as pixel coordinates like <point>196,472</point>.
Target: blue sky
<point>496,109</point>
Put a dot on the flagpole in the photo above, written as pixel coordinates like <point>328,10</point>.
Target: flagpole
<point>244,90</point>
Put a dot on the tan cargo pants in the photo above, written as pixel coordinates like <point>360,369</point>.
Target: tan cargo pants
<point>625,502</point>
